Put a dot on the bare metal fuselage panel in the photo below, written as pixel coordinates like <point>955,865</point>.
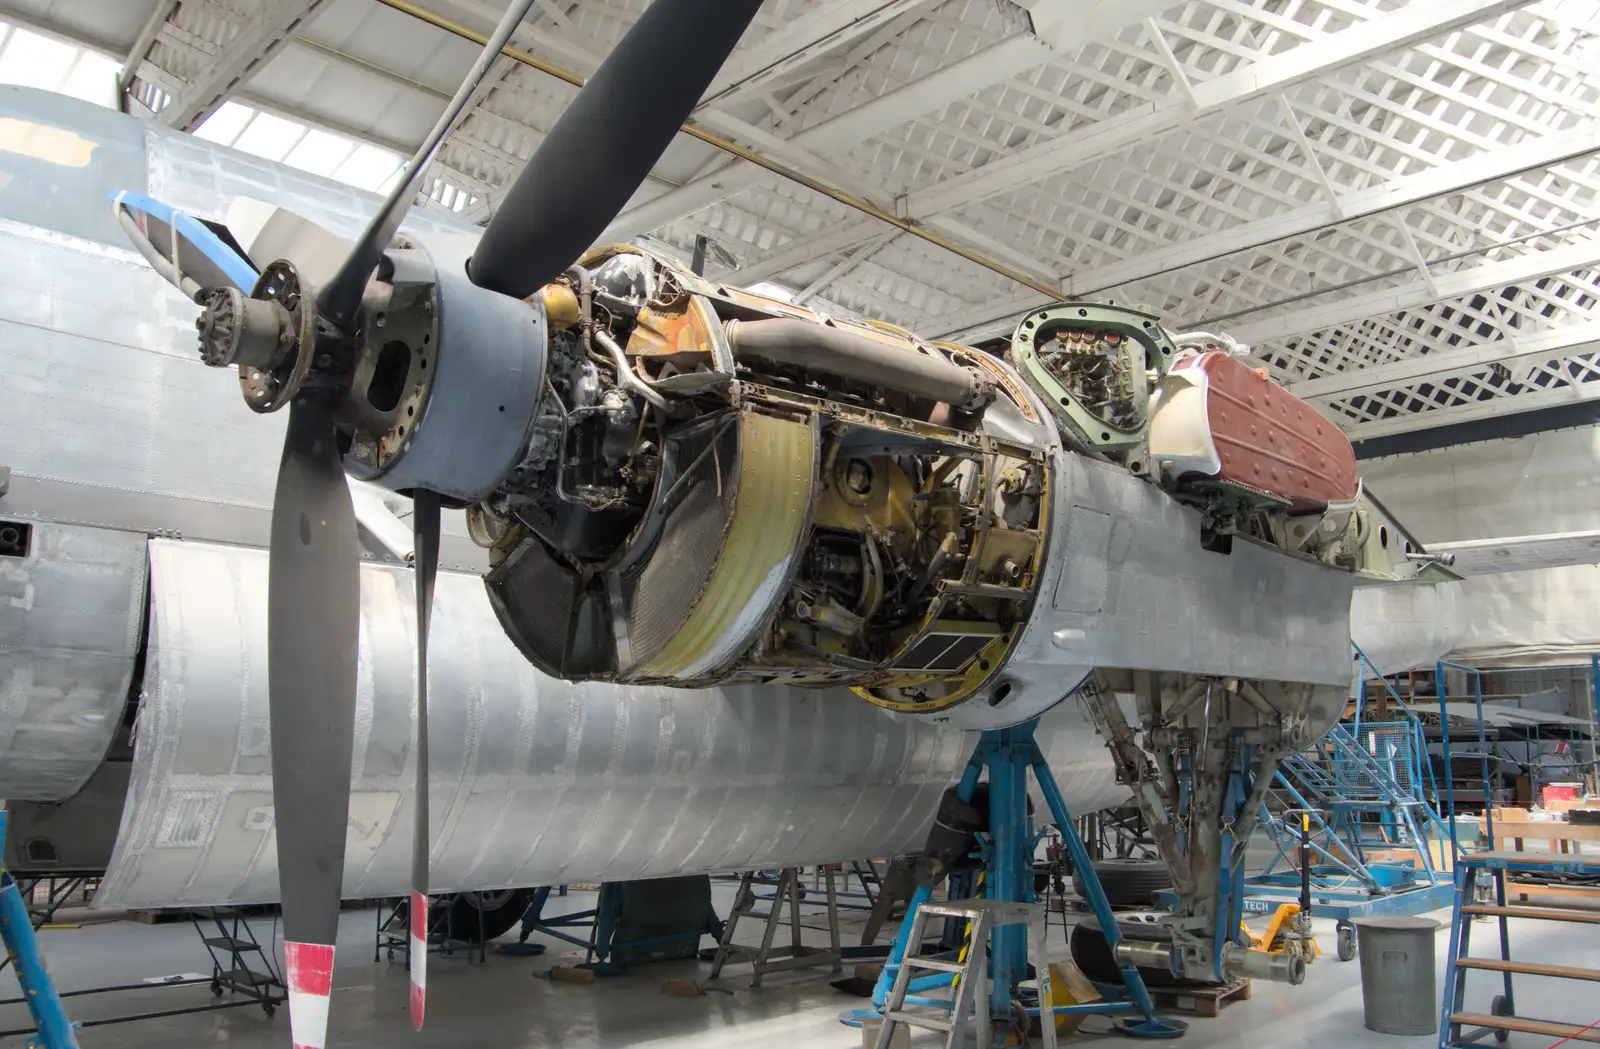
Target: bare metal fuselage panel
<point>535,780</point>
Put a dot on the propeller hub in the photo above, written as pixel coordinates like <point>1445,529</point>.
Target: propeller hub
<point>274,337</point>
<point>256,333</point>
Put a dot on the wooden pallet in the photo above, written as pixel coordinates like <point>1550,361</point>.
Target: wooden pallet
<point>1200,1001</point>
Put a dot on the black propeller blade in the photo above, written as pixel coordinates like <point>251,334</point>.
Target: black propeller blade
<point>602,148</point>
<point>341,298</point>
<point>598,153</point>
<point>425,529</point>
<point>313,615</point>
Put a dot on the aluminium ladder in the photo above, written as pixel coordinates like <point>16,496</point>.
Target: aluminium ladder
<point>982,917</point>
<point>1502,1017</point>
<point>770,957</point>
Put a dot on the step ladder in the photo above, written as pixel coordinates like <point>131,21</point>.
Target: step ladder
<point>971,985</point>
<point>770,956</point>
<point>239,964</point>
<point>1460,1026</point>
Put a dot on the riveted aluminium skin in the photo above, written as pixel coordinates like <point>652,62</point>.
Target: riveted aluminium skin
<point>535,781</point>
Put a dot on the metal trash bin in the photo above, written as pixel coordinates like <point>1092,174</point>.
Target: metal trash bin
<point>1398,991</point>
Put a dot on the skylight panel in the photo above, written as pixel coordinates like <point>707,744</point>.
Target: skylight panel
<point>224,125</point>
<point>369,168</point>
<point>270,137</point>
<point>299,145</point>
<point>31,60</point>
<point>320,153</point>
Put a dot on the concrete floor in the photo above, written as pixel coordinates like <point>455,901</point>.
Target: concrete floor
<point>501,1005</point>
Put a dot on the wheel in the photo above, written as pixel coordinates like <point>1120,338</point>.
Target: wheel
<point>269,1008</point>
<point>1347,941</point>
<point>1128,883</point>
<point>216,989</point>
<point>501,911</point>
<point>1498,1008</point>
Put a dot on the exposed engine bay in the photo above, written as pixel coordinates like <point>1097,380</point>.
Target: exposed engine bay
<point>682,482</point>
<point>722,487</point>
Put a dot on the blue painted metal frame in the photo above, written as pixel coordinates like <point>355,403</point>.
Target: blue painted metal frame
<point>533,920</point>
<point>1008,756</point>
<point>1343,905</point>
<point>1466,867</point>
<point>1347,782</point>
<point>22,944</point>
<point>601,921</point>
<point>1483,751</point>
<point>1497,864</point>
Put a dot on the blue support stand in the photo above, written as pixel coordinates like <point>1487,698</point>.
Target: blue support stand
<point>39,990</point>
<point>1006,756</point>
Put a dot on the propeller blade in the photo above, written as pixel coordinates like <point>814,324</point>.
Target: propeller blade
<point>425,523</point>
<point>602,148</point>
<point>189,253</point>
<point>313,624</point>
<point>340,298</point>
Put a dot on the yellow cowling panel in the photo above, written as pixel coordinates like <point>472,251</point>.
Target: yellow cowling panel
<point>777,468</point>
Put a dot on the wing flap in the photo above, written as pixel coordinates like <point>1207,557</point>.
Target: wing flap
<point>1475,557</point>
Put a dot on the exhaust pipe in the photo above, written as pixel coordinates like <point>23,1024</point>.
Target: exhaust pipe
<point>841,352</point>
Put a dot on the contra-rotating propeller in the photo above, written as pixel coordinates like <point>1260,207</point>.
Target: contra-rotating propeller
<point>298,345</point>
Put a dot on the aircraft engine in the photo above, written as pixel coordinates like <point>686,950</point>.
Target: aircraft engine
<point>410,417</point>
<point>684,483</point>
<point>722,487</point>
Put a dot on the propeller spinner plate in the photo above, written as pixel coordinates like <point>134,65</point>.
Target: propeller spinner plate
<point>268,388</point>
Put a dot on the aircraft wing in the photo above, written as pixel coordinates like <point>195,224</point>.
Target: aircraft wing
<point>1475,557</point>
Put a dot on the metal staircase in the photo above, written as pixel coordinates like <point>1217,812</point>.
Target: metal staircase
<point>1366,787</point>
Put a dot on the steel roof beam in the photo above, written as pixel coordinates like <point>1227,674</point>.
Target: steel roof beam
<point>1415,22</point>
<point>951,83</point>
<point>1535,347</point>
<point>255,43</point>
<point>1495,407</point>
<point>141,46</point>
<point>1580,253</point>
<point>823,30</point>
<point>1480,169</point>
<point>907,102</point>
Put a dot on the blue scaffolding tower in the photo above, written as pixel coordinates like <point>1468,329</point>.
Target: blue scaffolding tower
<point>1365,787</point>
<point>55,1031</point>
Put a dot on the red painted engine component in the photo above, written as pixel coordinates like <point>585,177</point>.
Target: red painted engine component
<point>1271,440</point>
